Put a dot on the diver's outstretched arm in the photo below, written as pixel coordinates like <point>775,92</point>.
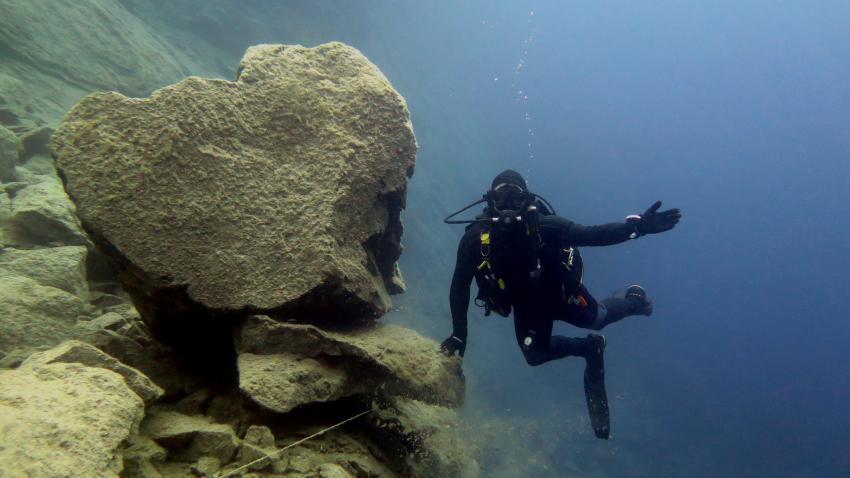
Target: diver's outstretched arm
<point>650,222</point>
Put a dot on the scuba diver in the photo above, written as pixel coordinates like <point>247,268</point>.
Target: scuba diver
<point>524,259</point>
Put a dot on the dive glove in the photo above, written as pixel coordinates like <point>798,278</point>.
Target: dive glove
<point>653,222</point>
<point>453,344</point>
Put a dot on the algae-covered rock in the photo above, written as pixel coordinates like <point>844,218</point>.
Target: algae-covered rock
<point>60,267</point>
<point>281,189</point>
<point>283,365</point>
<point>259,451</point>
<point>5,223</point>
<point>188,438</point>
<point>140,456</point>
<point>423,439</point>
<point>126,338</point>
<point>332,470</point>
<point>281,382</point>
<point>74,351</point>
<point>34,143</point>
<point>206,466</point>
<point>42,214</point>
<point>62,420</point>
<point>35,316</point>
<point>8,155</point>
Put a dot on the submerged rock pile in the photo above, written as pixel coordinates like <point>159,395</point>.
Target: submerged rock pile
<point>255,227</point>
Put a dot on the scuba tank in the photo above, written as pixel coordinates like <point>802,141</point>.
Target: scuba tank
<point>519,216</point>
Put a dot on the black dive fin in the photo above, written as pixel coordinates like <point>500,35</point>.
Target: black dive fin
<point>597,398</point>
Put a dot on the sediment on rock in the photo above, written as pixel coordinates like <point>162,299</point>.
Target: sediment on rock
<point>65,419</point>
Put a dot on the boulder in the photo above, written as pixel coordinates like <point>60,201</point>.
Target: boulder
<point>279,192</point>
<point>64,419</point>
<point>34,143</point>
<point>35,316</point>
<point>282,365</point>
<point>74,351</point>
<point>8,155</point>
<point>258,447</point>
<point>139,457</point>
<point>206,466</point>
<point>421,438</point>
<point>60,267</point>
<point>126,338</point>
<point>188,438</point>
<point>5,220</point>
<point>332,470</point>
<point>281,382</point>
<point>43,215</point>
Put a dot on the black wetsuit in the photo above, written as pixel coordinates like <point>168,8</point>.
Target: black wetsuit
<point>537,304</point>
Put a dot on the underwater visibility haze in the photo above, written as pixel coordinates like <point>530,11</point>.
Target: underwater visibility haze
<point>738,113</point>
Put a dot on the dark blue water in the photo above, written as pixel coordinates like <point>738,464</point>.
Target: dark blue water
<point>736,112</point>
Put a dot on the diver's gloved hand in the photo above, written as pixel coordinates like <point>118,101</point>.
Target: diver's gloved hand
<point>653,222</point>
<point>453,344</point>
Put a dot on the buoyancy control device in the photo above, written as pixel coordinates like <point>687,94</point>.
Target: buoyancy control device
<point>516,212</point>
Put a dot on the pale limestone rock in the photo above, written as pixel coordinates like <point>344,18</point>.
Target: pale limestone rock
<point>281,382</point>
<point>6,238</point>
<point>8,155</point>
<point>35,316</point>
<point>34,143</point>
<point>258,444</point>
<point>332,470</point>
<point>284,365</point>
<point>63,420</point>
<point>283,188</point>
<point>206,466</point>
<point>60,267</point>
<point>74,351</point>
<point>41,165</point>
<point>188,438</point>
<point>140,456</point>
<point>42,214</point>
<point>128,341</point>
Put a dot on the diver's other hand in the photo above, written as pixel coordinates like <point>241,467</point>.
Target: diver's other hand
<point>653,222</point>
<point>453,344</point>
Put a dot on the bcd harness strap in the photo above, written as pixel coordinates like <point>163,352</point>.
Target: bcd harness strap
<point>488,274</point>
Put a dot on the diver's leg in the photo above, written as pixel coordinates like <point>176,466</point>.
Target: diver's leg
<point>539,346</point>
<point>632,301</point>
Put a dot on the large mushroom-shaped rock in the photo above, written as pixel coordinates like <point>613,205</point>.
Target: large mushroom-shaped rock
<point>279,191</point>
<point>65,419</point>
<point>283,366</point>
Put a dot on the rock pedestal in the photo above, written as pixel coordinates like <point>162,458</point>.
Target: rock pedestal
<point>280,192</point>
